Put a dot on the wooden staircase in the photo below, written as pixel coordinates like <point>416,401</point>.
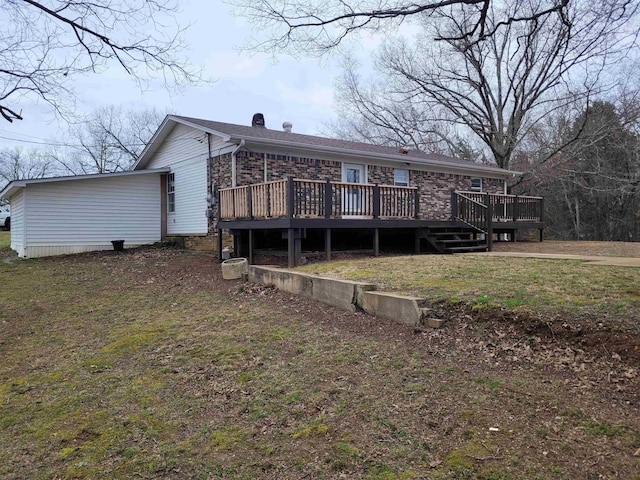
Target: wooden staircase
<point>454,239</point>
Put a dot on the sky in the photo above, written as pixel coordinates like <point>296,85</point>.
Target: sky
<point>300,91</point>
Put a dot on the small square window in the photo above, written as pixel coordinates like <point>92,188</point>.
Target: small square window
<point>476,184</point>
<point>401,178</point>
<point>171,193</point>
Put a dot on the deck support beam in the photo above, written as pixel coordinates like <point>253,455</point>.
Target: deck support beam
<point>327,244</point>
<point>290,248</point>
<point>297,250</point>
<point>237,251</point>
<point>376,242</point>
<point>251,247</point>
<point>220,244</point>
<point>416,241</point>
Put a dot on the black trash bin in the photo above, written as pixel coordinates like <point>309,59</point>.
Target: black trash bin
<point>118,245</point>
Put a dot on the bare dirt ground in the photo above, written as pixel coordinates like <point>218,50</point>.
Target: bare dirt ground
<point>606,249</point>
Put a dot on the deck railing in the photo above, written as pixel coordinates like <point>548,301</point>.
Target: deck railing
<point>485,211</point>
<point>505,208</point>
<point>298,198</point>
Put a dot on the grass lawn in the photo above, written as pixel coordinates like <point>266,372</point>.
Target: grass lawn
<point>148,365</point>
<point>5,240</point>
<point>563,287</point>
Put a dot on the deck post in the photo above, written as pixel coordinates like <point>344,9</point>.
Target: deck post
<point>290,248</point>
<point>416,200</point>
<point>237,245</point>
<point>416,241</point>
<point>250,202</point>
<point>233,203</point>
<point>297,249</point>
<point>376,201</point>
<point>251,246</point>
<point>327,244</point>
<point>516,209</point>
<point>489,225</point>
<point>454,205</point>
<point>291,197</point>
<point>541,215</point>
<point>328,199</point>
<point>216,195</point>
<point>268,188</point>
<point>376,242</point>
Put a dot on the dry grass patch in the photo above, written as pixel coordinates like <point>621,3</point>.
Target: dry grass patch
<point>148,365</point>
<point>556,286</point>
<point>606,249</point>
<point>5,241</point>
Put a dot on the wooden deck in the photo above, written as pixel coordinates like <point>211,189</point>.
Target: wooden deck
<point>294,206</point>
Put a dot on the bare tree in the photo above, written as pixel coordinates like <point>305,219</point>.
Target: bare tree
<point>18,164</point>
<point>108,140</point>
<point>500,87</point>
<point>44,44</point>
<point>304,26</point>
<point>592,184</point>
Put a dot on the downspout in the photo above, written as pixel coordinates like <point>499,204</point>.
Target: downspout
<point>233,162</point>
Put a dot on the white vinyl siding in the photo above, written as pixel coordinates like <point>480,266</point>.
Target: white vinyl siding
<point>189,217</point>
<point>17,222</point>
<point>86,215</point>
<point>182,144</point>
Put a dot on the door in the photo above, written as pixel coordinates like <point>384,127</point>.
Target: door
<point>352,196</point>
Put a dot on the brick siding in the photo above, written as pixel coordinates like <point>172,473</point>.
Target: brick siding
<point>435,188</point>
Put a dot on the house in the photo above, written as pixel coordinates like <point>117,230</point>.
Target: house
<point>276,189</point>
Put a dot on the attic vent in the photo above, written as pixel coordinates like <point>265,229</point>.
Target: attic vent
<point>287,126</point>
<point>258,121</point>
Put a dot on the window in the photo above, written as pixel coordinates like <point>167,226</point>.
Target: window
<point>171,193</point>
<point>401,178</point>
<point>476,184</point>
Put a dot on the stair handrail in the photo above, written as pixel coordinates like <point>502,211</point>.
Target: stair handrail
<point>466,214</point>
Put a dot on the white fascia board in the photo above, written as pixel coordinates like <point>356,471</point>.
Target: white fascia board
<point>222,135</point>
<point>470,169</point>
<point>10,189</point>
<point>163,131</point>
<point>155,141</point>
<point>216,152</point>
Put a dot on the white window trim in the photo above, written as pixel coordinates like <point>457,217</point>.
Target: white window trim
<point>171,190</point>
<point>476,189</point>
<point>395,180</point>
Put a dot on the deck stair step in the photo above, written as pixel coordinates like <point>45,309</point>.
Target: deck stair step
<point>459,242</point>
<point>454,240</point>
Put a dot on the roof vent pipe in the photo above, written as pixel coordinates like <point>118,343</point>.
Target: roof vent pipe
<point>287,126</point>
<point>258,121</point>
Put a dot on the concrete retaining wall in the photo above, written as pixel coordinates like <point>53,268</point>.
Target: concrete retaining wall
<point>399,308</point>
<point>339,293</point>
<point>345,294</point>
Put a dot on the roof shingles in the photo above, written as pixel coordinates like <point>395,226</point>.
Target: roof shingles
<point>259,133</point>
